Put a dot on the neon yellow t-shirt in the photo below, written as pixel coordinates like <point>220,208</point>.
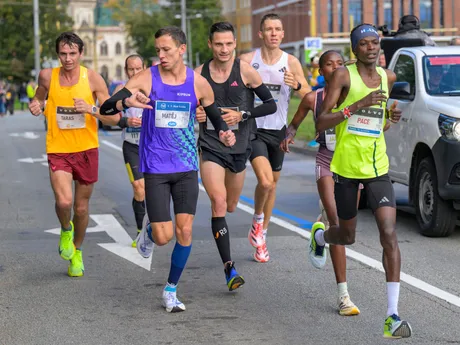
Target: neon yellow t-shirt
<point>360,156</point>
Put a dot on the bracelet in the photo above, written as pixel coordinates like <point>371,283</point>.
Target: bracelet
<point>346,113</point>
<point>299,86</point>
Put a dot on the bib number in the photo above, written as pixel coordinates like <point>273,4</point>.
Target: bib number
<point>330,139</point>
<point>275,90</point>
<point>367,122</point>
<point>172,114</point>
<point>210,127</point>
<point>69,118</point>
<point>133,134</point>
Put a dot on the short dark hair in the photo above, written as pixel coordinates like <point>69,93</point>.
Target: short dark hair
<point>176,34</point>
<point>268,16</point>
<point>133,56</point>
<point>221,27</point>
<point>70,39</point>
<point>322,59</point>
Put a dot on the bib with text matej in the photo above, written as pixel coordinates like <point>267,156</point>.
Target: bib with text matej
<point>366,122</point>
<point>172,114</point>
<point>69,118</point>
<point>210,127</point>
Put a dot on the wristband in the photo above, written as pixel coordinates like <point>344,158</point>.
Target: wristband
<point>123,123</point>
<point>123,104</point>
<point>346,113</point>
<point>299,86</point>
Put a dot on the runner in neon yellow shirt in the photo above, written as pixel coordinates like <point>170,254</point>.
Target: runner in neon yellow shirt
<point>360,90</point>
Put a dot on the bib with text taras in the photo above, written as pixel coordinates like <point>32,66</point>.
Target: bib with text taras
<point>275,90</point>
<point>367,122</point>
<point>172,114</point>
<point>70,118</point>
<point>210,127</point>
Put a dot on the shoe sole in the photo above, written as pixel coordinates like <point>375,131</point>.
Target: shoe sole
<point>67,258</point>
<point>403,331</point>
<point>75,275</point>
<point>353,312</point>
<point>260,261</point>
<point>236,283</point>
<point>174,309</point>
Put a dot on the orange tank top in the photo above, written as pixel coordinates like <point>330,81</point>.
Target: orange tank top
<point>68,130</point>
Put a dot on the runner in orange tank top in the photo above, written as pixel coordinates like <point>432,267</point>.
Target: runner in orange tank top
<point>72,140</point>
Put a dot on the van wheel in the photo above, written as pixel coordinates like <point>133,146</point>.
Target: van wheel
<point>436,217</point>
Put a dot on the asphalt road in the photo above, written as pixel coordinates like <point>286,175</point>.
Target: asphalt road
<point>285,301</point>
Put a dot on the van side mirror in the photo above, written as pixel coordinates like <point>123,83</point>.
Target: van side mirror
<point>401,90</point>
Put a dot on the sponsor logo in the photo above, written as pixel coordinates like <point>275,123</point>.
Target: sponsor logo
<point>172,123</point>
<point>183,94</point>
<point>255,65</point>
<point>234,83</point>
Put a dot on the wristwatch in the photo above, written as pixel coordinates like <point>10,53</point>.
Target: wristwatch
<point>245,115</point>
<point>299,86</point>
<point>93,110</point>
<point>123,104</point>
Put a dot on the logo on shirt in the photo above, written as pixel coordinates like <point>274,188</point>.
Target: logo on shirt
<point>282,70</point>
<point>255,65</point>
<point>384,200</point>
<point>234,83</point>
<point>163,105</point>
<point>183,94</point>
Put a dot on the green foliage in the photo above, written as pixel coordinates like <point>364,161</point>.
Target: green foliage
<point>17,35</point>
<point>143,18</point>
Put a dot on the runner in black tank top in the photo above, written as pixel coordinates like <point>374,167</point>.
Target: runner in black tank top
<point>223,168</point>
<point>329,62</point>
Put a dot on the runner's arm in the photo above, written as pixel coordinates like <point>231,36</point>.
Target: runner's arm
<point>391,76</point>
<point>44,81</point>
<point>205,95</point>
<point>305,106</point>
<point>296,68</point>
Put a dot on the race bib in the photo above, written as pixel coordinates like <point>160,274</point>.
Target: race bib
<point>275,90</point>
<point>172,114</point>
<point>366,122</point>
<point>210,127</point>
<point>330,139</point>
<point>133,134</point>
<point>69,118</point>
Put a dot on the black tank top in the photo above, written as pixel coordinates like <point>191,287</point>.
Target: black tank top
<point>230,94</point>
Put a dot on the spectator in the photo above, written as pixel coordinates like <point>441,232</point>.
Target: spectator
<point>409,27</point>
<point>382,60</point>
<point>23,99</point>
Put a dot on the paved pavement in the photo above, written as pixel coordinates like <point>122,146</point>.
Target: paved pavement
<point>283,301</point>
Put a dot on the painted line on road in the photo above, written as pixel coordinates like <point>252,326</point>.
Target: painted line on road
<point>408,279</point>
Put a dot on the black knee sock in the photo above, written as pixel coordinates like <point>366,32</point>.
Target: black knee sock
<point>139,212</point>
<point>222,237</point>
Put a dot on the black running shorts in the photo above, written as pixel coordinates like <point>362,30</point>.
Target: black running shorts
<point>267,144</point>
<point>236,163</point>
<point>131,156</point>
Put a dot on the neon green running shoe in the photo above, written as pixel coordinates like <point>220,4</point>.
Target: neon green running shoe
<point>135,240</point>
<point>396,328</point>
<point>76,267</point>
<point>317,253</point>
<point>66,245</point>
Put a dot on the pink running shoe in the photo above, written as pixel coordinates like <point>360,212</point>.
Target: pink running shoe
<point>261,254</point>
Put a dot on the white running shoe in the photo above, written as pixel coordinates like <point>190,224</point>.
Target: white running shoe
<point>347,307</point>
<point>170,301</point>
<point>144,244</point>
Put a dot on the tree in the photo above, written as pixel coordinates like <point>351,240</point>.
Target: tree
<point>17,38</point>
<point>143,18</point>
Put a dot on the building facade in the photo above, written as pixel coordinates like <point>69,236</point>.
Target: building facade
<point>334,19</point>
<point>238,12</point>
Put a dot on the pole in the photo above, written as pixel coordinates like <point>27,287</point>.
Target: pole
<point>312,18</point>
<point>189,40</point>
<point>36,41</point>
<point>352,25</point>
<point>183,24</point>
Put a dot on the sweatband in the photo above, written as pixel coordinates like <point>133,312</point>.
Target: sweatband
<point>361,32</point>
<point>214,115</point>
<point>109,107</point>
<point>123,123</point>
<point>268,106</point>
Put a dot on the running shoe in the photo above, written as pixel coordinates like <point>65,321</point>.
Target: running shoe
<point>317,253</point>
<point>66,245</point>
<point>76,267</point>
<point>170,301</point>
<point>256,234</point>
<point>135,240</point>
<point>234,280</point>
<point>396,328</point>
<point>144,244</point>
<point>347,307</point>
<point>261,254</point>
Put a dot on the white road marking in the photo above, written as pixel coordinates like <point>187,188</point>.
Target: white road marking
<point>408,279</point>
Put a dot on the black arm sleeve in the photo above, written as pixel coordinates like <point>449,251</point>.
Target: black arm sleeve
<point>109,107</point>
<point>268,106</point>
<point>214,115</point>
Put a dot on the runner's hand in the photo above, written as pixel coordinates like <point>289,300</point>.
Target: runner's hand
<point>200,114</point>
<point>81,106</point>
<point>138,100</point>
<point>134,121</point>
<point>227,138</point>
<point>231,117</point>
<point>373,98</point>
<point>284,146</point>
<point>395,113</point>
<point>290,80</point>
<point>35,107</point>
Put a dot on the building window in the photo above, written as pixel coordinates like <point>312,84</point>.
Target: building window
<point>441,13</point>
<point>232,5</point>
<point>330,16</point>
<point>245,3</point>
<point>426,14</point>
<point>118,72</point>
<point>127,48</point>
<point>401,8</point>
<point>105,72</point>
<point>376,12</point>
<point>387,15</point>
<point>118,48</point>
<point>339,14</point>
<point>104,49</point>
<point>355,8</point>
<point>246,33</point>
<point>411,7</point>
